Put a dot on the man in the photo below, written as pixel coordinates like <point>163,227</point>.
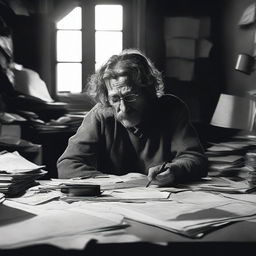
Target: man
<point>134,127</point>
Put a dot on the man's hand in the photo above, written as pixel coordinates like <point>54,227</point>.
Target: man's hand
<point>161,175</point>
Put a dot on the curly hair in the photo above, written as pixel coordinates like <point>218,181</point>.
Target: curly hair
<point>132,63</point>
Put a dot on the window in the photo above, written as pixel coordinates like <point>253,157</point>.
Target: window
<point>108,32</point>
<point>69,52</point>
<point>73,43</point>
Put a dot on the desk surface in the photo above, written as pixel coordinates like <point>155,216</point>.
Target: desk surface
<point>237,238</point>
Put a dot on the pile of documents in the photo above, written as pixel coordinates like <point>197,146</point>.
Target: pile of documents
<point>250,163</point>
<point>17,173</point>
<point>225,165</point>
<point>1,197</point>
<point>228,158</point>
<point>220,184</point>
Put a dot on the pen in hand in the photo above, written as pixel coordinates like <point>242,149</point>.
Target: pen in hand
<point>148,183</point>
<point>160,170</point>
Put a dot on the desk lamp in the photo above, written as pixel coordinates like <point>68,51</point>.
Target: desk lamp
<point>245,63</point>
<point>234,112</point>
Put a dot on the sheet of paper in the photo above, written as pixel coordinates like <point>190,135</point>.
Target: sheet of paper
<point>2,197</point>
<point>220,147</point>
<point>28,82</point>
<point>138,193</point>
<point>106,181</point>
<point>79,241</point>
<point>187,219</point>
<point>15,163</point>
<point>219,184</point>
<point>226,159</point>
<point>250,198</point>
<point>12,215</point>
<point>54,223</point>
<point>200,197</point>
<point>35,198</point>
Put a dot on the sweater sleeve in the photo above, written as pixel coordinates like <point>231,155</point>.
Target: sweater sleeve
<point>190,162</point>
<point>79,158</point>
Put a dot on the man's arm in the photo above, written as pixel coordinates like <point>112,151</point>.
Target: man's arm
<point>79,158</point>
<point>189,162</point>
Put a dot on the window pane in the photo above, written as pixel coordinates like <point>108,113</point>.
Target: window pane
<point>72,20</point>
<point>69,77</point>
<point>108,17</point>
<point>69,46</point>
<point>98,65</point>
<point>107,44</point>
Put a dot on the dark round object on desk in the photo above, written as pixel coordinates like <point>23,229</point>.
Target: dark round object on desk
<point>81,190</point>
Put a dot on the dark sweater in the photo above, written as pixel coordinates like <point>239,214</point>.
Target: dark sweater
<point>102,144</point>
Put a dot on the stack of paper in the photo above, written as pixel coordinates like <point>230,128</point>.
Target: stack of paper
<point>225,165</point>
<point>239,144</point>
<point>1,197</point>
<point>227,158</point>
<point>17,173</point>
<point>218,149</point>
<point>220,184</point>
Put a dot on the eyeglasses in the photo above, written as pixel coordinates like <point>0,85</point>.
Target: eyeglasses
<point>116,99</point>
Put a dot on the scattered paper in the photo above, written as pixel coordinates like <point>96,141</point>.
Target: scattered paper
<point>15,163</point>
<point>138,193</point>
<point>199,198</point>
<point>52,224</point>
<point>10,215</point>
<point>35,198</point>
<point>108,182</point>
<point>28,81</point>
<point>79,241</point>
<point>250,198</point>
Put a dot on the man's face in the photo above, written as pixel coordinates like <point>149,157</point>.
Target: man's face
<point>129,104</point>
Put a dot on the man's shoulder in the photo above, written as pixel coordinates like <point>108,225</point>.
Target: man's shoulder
<point>172,101</point>
<point>171,109</point>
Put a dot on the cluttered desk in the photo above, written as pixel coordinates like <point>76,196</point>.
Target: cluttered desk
<point>112,214</point>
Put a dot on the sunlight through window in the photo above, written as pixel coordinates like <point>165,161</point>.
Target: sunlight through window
<point>69,45</point>
<point>108,17</point>
<point>72,20</point>
<point>69,52</point>
<point>109,32</point>
<point>69,77</point>
<point>70,58</point>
